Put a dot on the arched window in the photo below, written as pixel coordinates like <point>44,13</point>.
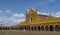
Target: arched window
<point>31,20</point>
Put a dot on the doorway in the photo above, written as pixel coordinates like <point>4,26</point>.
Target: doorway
<point>51,28</point>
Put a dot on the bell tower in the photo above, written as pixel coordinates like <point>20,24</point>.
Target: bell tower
<point>31,15</point>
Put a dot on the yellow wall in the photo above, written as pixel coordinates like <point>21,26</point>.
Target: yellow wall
<point>36,21</point>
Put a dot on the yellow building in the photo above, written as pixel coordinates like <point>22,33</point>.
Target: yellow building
<point>36,22</point>
<point>40,22</point>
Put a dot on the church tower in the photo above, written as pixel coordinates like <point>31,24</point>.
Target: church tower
<point>31,15</point>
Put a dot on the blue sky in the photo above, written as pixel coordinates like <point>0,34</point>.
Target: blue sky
<point>13,11</point>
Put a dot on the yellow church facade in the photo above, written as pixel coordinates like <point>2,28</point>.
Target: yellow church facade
<point>36,22</point>
<point>40,22</point>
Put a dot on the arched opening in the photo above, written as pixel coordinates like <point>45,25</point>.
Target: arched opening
<point>25,28</point>
<point>56,27</point>
<point>46,28</point>
<point>35,28</point>
<point>6,28</point>
<point>32,28</point>
<point>42,28</point>
<point>51,28</point>
<point>38,28</point>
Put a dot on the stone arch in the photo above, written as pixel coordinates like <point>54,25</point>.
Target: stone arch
<point>51,28</point>
<point>35,28</point>
<point>56,27</point>
<point>38,28</point>
<point>32,28</point>
<point>42,28</point>
<point>5,28</point>
<point>46,28</point>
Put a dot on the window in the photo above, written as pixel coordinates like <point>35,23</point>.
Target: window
<point>30,20</point>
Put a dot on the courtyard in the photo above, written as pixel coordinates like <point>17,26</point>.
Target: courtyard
<point>21,32</point>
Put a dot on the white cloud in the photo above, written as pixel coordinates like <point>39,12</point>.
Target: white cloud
<point>46,13</point>
<point>13,20</point>
<point>42,13</point>
<point>20,15</point>
<point>17,17</point>
<point>57,14</point>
